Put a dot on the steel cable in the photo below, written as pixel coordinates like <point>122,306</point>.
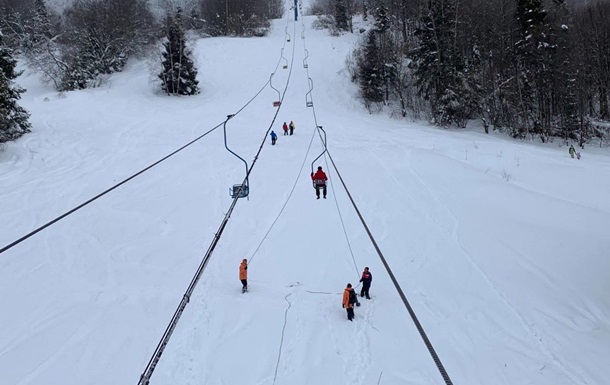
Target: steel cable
<point>420,329</point>
<point>150,367</point>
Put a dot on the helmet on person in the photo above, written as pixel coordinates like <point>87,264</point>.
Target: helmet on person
<point>349,285</point>
<point>320,168</point>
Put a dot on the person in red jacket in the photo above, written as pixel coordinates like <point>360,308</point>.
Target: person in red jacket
<point>285,128</point>
<point>367,279</point>
<point>319,181</point>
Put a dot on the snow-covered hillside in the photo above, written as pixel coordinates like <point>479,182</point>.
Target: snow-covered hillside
<point>501,246</point>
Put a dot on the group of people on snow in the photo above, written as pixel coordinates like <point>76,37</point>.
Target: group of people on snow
<point>288,130</point>
<point>319,179</point>
<point>350,298</point>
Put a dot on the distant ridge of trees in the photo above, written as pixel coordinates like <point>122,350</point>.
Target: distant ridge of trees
<point>534,68</point>
<point>94,38</point>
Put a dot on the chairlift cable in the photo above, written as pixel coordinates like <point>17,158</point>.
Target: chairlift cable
<point>287,199</point>
<point>420,329</point>
<point>128,179</point>
<point>154,360</point>
<point>349,245</point>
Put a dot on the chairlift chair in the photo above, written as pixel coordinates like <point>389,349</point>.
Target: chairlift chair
<point>308,97</point>
<point>285,66</point>
<point>319,182</point>
<point>241,190</point>
<point>278,102</point>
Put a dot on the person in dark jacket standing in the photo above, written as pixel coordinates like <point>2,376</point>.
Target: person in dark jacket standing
<point>291,126</point>
<point>273,138</point>
<point>366,280</point>
<point>243,275</point>
<point>319,181</point>
<point>349,299</point>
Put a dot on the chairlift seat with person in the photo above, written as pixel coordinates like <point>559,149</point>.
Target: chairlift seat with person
<point>319,183</point>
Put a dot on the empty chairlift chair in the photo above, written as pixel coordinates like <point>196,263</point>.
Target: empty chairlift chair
<point>278,102</point>
<point>308,97</point>
<point>241,190</point>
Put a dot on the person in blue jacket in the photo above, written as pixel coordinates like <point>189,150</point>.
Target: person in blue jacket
<point>273,138</point>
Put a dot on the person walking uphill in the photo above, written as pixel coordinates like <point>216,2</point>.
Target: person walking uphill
<point>273,138</point>
<point>349,299</point>
<point>572,151</point>
<point>319,181</point>
<point>366,280</point>
<point>285,128</point>
<point>291,127</point>
<point>243,275</point>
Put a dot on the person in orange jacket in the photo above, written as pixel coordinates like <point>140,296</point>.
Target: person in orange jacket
<point>319,181</point>
<point>243,275</point>
<point>349,299</point>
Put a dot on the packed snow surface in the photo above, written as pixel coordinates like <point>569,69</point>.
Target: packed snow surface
<point>501,246</point>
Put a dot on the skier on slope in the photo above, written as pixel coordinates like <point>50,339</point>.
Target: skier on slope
<point>349,299</point>
<point>366,280</point>
<point>292,127</point>
<point>273,138</point>
<point>572,151</point>
<point>285,128</point>
<point>319,181</point>
<point>243,275</point>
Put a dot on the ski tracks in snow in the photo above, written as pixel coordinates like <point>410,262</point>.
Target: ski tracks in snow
<point>286,354</point>
<point>524,323</point>
<point>352,346</point>
<point>439,213</point>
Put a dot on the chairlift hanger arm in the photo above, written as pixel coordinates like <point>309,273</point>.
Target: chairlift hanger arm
<point>325,148</point>
<point>231,151</point>
<point>279,95</point>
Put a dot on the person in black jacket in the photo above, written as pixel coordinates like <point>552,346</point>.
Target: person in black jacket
<point>366,280</point>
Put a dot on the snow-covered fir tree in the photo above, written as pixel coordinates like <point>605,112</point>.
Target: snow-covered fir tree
<point>179,75</point>
<point>39,27</point>
<point>13,118</point>
<point>381,28</point>
<point>440,66</point>
<point>341,15</point>
<point>382,23</point>
<point>84,66</point>
<point>370,74</point>
<point>533,52</point>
